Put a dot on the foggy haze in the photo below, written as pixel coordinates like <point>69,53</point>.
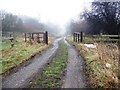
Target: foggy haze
<point>58,12</point>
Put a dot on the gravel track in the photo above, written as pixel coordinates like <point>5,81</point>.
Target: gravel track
<point>75,75</point>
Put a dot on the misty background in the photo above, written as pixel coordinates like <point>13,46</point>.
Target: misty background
<point>60,16</point>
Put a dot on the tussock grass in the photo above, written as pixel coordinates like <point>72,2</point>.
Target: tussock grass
<point>97,59</point>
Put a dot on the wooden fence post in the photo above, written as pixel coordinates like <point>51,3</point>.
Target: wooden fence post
<point>78,37</point>
<point>32,36</point>
<point>74,37</point>
<point>81,40</point>
<point>25,37</point>
<point>46,37</point>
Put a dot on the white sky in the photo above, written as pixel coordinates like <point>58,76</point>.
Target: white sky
<point>55,11</point>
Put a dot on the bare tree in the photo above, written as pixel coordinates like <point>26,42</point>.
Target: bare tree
<point>104,17</point>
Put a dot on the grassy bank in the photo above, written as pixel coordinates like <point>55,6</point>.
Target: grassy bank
<point>102,63</point>
<point>22,51</point>
<point>52,74</point>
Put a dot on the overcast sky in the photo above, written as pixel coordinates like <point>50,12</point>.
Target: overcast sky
<point>55,11</point>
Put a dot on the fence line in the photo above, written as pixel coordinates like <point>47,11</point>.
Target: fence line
<point>36,36</point>
<point>82,37</point>
<point>78,37</point>
<point>13,36</point>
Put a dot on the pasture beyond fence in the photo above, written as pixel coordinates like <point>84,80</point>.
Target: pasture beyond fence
<point>87,38</point>
<point>11,37</point>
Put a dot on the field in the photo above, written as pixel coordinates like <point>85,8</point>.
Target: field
<point>102,62</point>
<point>22,51</point>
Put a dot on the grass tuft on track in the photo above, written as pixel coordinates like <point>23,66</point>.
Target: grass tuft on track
<point>52,74</point>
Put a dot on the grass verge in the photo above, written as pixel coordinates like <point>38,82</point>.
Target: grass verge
<point>102,62</point>
<point>52,74</point>
<point>4,44</point>
<point>22,51</point>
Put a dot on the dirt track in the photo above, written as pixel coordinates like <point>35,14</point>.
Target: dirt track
<point>75,72</point>
<point>75,75</point>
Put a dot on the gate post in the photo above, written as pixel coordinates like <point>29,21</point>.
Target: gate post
<point>46,37</point>
<point>81,40</point>
<point>78,38</point>
<point>74,37</point>
<point>25,37</point>
<point>32,36</point>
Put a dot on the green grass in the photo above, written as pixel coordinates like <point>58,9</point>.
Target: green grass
<point>4,47</point>
<point>5,44</point>
<point>22,51</point>
<point>52,74</point>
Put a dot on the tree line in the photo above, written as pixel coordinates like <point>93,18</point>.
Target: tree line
<point>104,17</point>
<point>14,23</point>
